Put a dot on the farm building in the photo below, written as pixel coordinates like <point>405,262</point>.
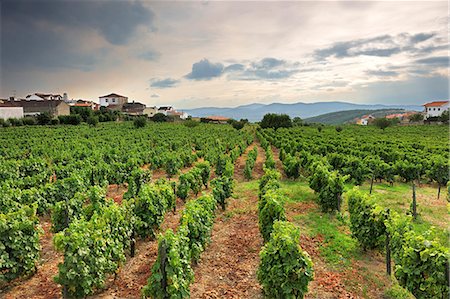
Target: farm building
<point>10,112</point>
<point>133,108</point>
<point>30,108</point>
<point>365,120</point>
<point>435,109</point>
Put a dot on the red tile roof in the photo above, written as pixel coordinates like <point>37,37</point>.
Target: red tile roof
<point>435,104</point>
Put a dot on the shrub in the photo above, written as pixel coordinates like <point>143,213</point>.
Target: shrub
<point>29,121</point>
<point>205,168</point>
<point>222,190</point>
<point>140,122</point>
<point>184,185</point>
<point>43,118</point>
<point>54,121</point>
<point>285,270</point>
<point>366,219</point>
<point>191,123</point>
<point>92,121</point>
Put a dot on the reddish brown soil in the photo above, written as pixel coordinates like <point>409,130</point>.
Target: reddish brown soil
<point>116,192</point>
<point>41,284</point>
<point>227,268</point>
<point>279,164</point>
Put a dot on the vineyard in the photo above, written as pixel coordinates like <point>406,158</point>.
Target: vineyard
<point>169,211</point>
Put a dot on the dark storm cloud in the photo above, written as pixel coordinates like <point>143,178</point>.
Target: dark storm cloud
<point>164,83</point>
<point>205,70</point>
<point>381,46</point>
<point>49,34</point>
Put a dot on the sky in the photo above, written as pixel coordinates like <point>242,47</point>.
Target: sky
<point>227,53</point>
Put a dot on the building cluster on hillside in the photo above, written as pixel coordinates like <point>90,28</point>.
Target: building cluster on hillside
<point>431,110</point>
<point>56,105</point>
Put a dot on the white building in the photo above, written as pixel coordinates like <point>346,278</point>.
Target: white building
<point>113,99</point>
<point>43,96</point>
<point>150,111</point>
<point>434,109</point>
<point>165,110</point>
<point>11,112</point>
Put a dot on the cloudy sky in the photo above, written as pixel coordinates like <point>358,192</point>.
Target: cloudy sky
<point>228,53</point>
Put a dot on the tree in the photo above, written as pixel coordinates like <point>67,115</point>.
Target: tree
<point>382,123</point>
<point>297,121</point>
<point>159,118</point>
<point>237,124</point>
<point>272,120</point>
<point>416,117</point>
<point>444,117</point>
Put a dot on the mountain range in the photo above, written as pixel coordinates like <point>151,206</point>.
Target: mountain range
<point>255,112</point>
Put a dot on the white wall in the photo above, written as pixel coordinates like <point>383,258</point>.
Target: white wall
<point>112,101</point>
<point>436,111</point>
<point>11,112</point>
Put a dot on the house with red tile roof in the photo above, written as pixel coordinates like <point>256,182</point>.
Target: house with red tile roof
<point>435,109</point>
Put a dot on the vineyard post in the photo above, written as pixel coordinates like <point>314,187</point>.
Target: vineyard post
<point>371,184</point>
<point>174,192</point>
<point>339,202</point>
<point>414,203</point>
<point>388,247</point>
<point>65,293</point>
<point>163,259</point>
<point>133,243</point>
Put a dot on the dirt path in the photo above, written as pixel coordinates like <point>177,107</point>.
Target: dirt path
<point>241,160</point>
<point>227,268</point>
<point>278,163</point>
<point>41,284</point>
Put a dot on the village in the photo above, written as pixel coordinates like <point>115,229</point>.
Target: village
<point>58,106</point>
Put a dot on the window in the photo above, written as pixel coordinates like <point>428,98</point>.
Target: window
<point>113,100</point>
<point>439,109</point>
<point>434,109</point>
<point>106,100</point>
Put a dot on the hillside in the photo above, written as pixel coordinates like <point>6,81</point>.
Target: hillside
<point>255,112</point>
<point>341,117</point>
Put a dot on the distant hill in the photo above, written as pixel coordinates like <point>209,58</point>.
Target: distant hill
<point>341,117</point>
<point>255,112</point>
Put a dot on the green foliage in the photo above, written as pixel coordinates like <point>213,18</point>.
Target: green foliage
<point>197,218</point>
<point>93,249</point>
<point>408,170</point>
<point>177,270</point>
<point>291,166</point>
<point>140,122</point>
<point>92,121</point>
<point>136,179</point>
<point>366,219</point>
<point>420,259</point>
<point>270,210</point>
<point>275,121</point>
<point>63,212</point>
<point>438,171</point>
<point>417,117</point>
<point>150,205</point>
<point>269,181</point>
<point>382,123</point>
<point>250,163</point>
<point>205,168</point>
<point>159,118</point>
<point>285,270</point>
<point>43,118</point>
<point>191,123</point>
<point>330,193</point>
<point>184,185</point>
<point>19,243</point>
<point>172,164</point>
<point>222,190</point>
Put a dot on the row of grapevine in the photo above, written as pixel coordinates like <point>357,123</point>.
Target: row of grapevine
<point>421,262</point>
<point>250,163</point>
<point>193,180</point>
<point>100,231</point>
<point>172,273</point>
<point>365,155</point>
<point>285,269</point>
